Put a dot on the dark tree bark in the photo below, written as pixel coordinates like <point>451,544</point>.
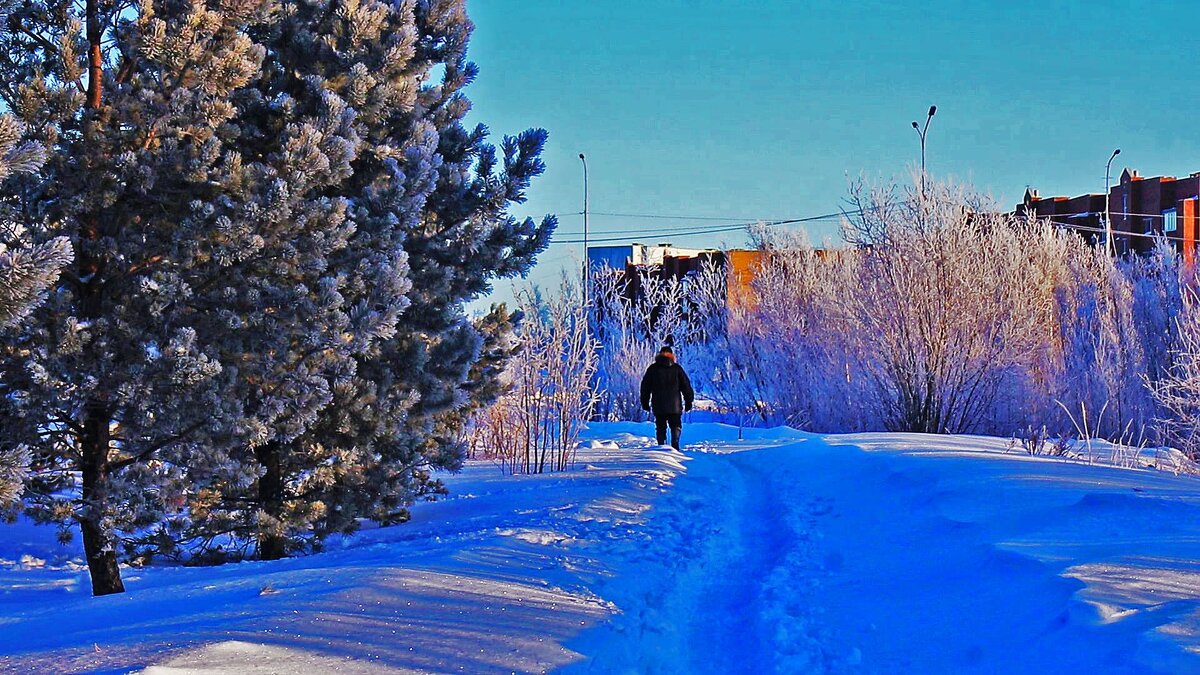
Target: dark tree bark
<point>271,545</point>
<point>101,555</point>
<point>95,56</point>
<point>95,441</point>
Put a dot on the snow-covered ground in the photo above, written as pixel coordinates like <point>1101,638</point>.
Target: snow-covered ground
<point>783,552</point>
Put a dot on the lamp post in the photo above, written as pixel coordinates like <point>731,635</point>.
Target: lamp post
<point>586,264</point>
<point>921,131</point>
<point>1108,233</point>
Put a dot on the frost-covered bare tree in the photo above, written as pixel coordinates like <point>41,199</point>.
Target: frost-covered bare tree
<point>1178,391</point>
<point>818,378</point>
<point>535,426</point>
<point>1102,356</point>
<point>1114,329</point>
<point>731,357</point>
<point>1158,283</point>
<point>950,316</point>
<point>940,313</point>
<point>632,318</point>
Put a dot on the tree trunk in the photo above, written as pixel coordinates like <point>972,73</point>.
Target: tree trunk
<point>271,544</point>
<point>95,56</point>
<point>101,556</point>
<point>94,442</point>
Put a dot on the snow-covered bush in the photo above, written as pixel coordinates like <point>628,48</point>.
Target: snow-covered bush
<point>816,375</point>
<point>631,324</point>
<point>949,316</point>
<point>732,357</point>
<point>926,326</point>
<point>1178,391</point>
<point>1096,364</point>
<point>534,427</point>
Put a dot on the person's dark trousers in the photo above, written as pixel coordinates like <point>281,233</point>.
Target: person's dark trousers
<point>661,422</point>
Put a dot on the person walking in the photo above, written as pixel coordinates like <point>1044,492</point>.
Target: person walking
<point>667,392</point>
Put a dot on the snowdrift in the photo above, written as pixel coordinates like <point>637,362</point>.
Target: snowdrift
<point>780,552</point>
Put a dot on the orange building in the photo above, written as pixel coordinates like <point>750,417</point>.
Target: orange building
<point>743,266</point>
<point>667,261</point>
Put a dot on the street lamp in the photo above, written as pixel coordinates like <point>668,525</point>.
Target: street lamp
<point>1108,233</point>
<point>586,264</point>
<point>921,131</point>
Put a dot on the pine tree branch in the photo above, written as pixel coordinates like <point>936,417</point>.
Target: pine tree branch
<point>113,467</point>
<point>71,424</point>
<point>126,70</point>
<point>145,264</point>
<point>14,24</point>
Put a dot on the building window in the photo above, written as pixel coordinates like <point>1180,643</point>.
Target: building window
<point>1170,221</point>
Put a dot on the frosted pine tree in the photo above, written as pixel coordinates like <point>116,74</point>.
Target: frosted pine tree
<point>109,385</point>
<point>405,411</point>
<point>276,219</point>
<point>430,199</point>
<point>342,86</point>
<point>26,272</point>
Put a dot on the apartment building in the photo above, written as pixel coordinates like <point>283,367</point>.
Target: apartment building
<point>1142,208</point>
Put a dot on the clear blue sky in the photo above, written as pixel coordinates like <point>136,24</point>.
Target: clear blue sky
<point>751,110</point>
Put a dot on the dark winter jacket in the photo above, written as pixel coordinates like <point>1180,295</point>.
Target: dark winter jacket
<point>666,388</point>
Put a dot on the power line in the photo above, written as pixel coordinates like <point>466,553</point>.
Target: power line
<point>671,233</point>
<point>661,216</point>
<point>672,217</point>
<point>650,230</point>
<point>1116,233</point>
<point>666,216</point>
<point>676,228</point>
<point>686,232</point>
<point>1100,213</point>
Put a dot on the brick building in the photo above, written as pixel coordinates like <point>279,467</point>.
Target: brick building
<point>1142,208</point>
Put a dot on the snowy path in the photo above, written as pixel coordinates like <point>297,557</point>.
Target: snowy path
<point>785,552</point>
<point>728,631</point>
<point>909,554</point>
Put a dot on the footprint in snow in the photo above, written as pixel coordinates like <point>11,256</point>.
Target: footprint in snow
<point>820,506</point>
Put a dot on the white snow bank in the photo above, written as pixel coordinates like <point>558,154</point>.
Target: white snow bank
<point>900,553</point>
<point>779,552</point>
<point>493,579</point>
<point>246,658</point>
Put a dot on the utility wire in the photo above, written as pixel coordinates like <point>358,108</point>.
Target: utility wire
<point>679,228</point>
<point>685,231</point>
<point>1100,213</point>
<point>660,216</point>
<point>603,240</point>
<point>1116,233</point>
<point>670,217</point>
